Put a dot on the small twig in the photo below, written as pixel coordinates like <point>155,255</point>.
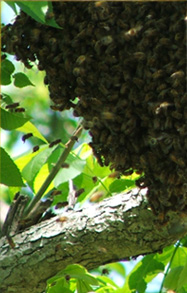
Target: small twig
<point>72,195</point>
<point>54,171</point>
<point>15,212</point>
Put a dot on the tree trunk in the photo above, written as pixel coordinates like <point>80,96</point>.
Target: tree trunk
<point>115,229</point>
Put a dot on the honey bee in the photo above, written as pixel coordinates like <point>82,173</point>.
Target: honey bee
<point>57,59</point>
<point>163,106</point>
<point>115,174</point>
<point>179,37</point>
<point>40,66</point>
<point>108,115</point>
<point>133,32</point>
<point>77,71</point>
<point>112,97</point>
<point>178,75</point>
<point>12,106</point>
<point>165,42</point>
<point>80,92</point>
<point>3,57</point>
<point>46,81</point>
<point>26,136</point>
<point>35,35</point>
<point>57,141</point>
<point>65,165</point>
<point>162,87</point>
<point>105,272</point>
<point>56,192</point>
<point>158,74</point>
<point>96,196</point>
<point>79,192</point>
<point>80,81</point>
<point>94,179</point>
<point>35,148</point>
<point>103,90</point>
<point>60,205</point>
<point>103,136</point>
<point>176,115</point>
<point>80,60</point>
<point>168,123</point>
<point>55,107</point>
<point>49,15</point>
<point>67,277</point>
<point>107,40</point>
<point>179,161</point>
<point>139,56</point>
<point>62,219</point>
<point>138,82</point>
<point>20,110</point>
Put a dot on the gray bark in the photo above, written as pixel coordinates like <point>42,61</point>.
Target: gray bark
<point>117,228</point>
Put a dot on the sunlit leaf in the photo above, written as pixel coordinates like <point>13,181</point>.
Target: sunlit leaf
<point>40,178</point>
<point>10,174</point>
<point>29,127</point>
<point>30,171</point>
<point>180,258</point>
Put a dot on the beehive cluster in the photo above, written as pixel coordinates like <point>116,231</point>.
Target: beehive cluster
<point>126,64</point>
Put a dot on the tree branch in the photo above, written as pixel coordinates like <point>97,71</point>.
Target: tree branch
<point>115,229</point>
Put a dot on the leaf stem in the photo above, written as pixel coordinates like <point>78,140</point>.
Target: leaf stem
<point>54,171</point>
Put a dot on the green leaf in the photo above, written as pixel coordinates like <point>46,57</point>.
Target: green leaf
<point>7,68</point>
<point>75,271</point>
<point>28,127</point>
<point>29,7</point>
<point>21,80</point>
<point>59,286</point>
<point>10,174</point>
<point>171,280</point>
<point>11,120</point>
<point>30,171</point>
<point>120,185</point>
<point>106,281</point>
<point>180,257</point>
<point>13,6</point>
<point>6,99</point>
<point>40,178</point>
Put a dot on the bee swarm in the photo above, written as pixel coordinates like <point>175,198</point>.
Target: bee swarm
<point>126,63</point>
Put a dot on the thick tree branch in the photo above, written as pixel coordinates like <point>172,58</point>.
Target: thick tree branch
<point>117,228</point>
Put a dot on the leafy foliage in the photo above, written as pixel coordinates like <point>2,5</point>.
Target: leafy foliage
<point>31,169</point>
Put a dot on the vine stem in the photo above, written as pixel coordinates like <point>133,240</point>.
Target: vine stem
<point>169,265</point>
<point>54,171</point>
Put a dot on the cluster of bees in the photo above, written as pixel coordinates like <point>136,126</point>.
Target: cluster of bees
<point>126,63</point>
